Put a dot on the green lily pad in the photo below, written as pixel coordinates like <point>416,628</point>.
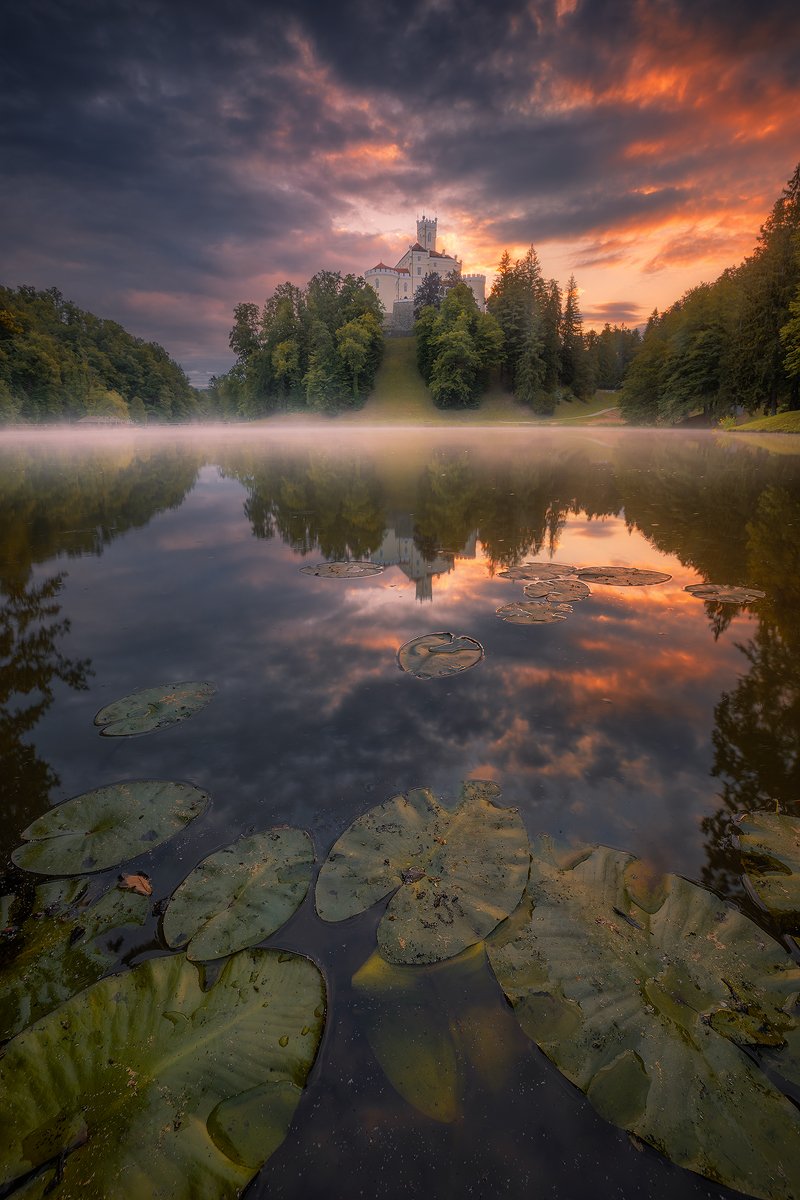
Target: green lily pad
<point>533,612</point>
<point>154,708</point>
<point>647,1013</point>
<point>240,895</point>
<point>724,593</point>
<point>454,873</point>
<point>436,655</point>
<point>622,576</point>
<point>770,849</point>
<point>108,825</point>
<point>343,570</point>
<point>61,949</point>
<point>537,571</point>
<point>149,1086</point>
<point>556,590</point>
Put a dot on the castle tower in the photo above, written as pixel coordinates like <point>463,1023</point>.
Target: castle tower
<point>426,232</point>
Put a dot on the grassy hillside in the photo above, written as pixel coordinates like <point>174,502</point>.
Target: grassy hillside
<point>785,422</point>
<point>400,397</point>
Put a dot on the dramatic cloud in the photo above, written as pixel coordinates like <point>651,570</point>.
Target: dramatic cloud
<point>165,161</point>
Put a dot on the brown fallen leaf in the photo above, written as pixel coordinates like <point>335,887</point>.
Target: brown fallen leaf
<point>135,883</point>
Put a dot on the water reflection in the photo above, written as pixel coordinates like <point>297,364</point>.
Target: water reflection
<point>645,720</point>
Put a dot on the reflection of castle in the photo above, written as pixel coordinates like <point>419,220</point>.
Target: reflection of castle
<point>399,550</point>
<point>396,285</point>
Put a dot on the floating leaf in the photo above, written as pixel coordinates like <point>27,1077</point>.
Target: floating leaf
<point>101,828</point>
<point>474,863</point>
<point>343,570</point>
<point>533,612</point>
<point>60,950</point>
<point>622,576</point>
<point>646,1013</point>
<point>135,883</point>
<point>154,708</point>
<point>555,590</point>
<point>150,1086</point>
<point>241,894</point>
<point>770,847</point>
<point>434,655</point>
<point>724,593</point>
<point>537,571</point>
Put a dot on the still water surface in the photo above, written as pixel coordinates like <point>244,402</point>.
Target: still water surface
<point>643,721</point>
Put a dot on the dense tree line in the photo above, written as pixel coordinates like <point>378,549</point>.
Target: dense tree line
<point>58,362</point>
<point>732,344</point>
<point>457,345</point>
<point>316,348</point>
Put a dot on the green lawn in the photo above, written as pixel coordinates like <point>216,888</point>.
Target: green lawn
<point>785,422</point>
<point>400,397</point>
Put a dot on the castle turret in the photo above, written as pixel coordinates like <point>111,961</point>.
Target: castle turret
<point>426,232</point>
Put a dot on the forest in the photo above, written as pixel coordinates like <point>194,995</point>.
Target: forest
<point>728,346</point>
<point>59,363</point>
<point>315,349</point>
<point>532,332</point>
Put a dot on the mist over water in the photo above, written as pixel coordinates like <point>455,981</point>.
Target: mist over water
<point>645,720</point>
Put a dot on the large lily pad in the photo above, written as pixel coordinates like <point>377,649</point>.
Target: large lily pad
<point>62,947</point>
<point>645,1009</point>
<point>622,576</point>
<point>537,571</point>
<point>108,825</point>
<point>770,848</point>
<point>342,570</point>
<point>154,708</point>
<point>240,895</point>
<point>533,612</point>
<point>724,593</point>
<point>149,1086</point>
<point>556,590</point>
<point>454,873</point>
<point>436,655</point>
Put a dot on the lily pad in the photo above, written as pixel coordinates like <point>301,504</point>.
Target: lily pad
<point>622,576</point>
<point>533,612</point>
<point>431,1026</point>
<point>108,825</point>
<point>435,655</point>
<point>454,873</point>
<point>343,570</point>
<point>556,590</point>
<point>411,1036</point>
<point>240,895</point>
<point>724,593</point>
<point>770,849</point>
<point>147,1085</point>
<point>648,1012</point>
<point>62,948</point>
<point>537,571</point>
<point>154,708</point>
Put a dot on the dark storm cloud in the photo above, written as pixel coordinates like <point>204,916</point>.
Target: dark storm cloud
<point>163,161</point>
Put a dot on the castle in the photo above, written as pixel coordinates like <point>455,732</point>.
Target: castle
<point>396,285</point>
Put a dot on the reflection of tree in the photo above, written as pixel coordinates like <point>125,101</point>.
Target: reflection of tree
<point>313,501</point>
<point>757,725</point>
<point>76,501</point>
<point>30,664</point>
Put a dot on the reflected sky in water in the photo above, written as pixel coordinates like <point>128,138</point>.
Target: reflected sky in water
<point>644,720</point>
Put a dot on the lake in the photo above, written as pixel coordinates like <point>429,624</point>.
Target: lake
<point>645,720</point>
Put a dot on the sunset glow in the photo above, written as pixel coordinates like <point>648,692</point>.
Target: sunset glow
<point>640,152</point>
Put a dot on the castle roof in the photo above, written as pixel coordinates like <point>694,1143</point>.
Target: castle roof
<point>382,266</point>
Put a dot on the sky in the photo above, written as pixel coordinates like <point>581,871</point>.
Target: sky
<point>164,160</point>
